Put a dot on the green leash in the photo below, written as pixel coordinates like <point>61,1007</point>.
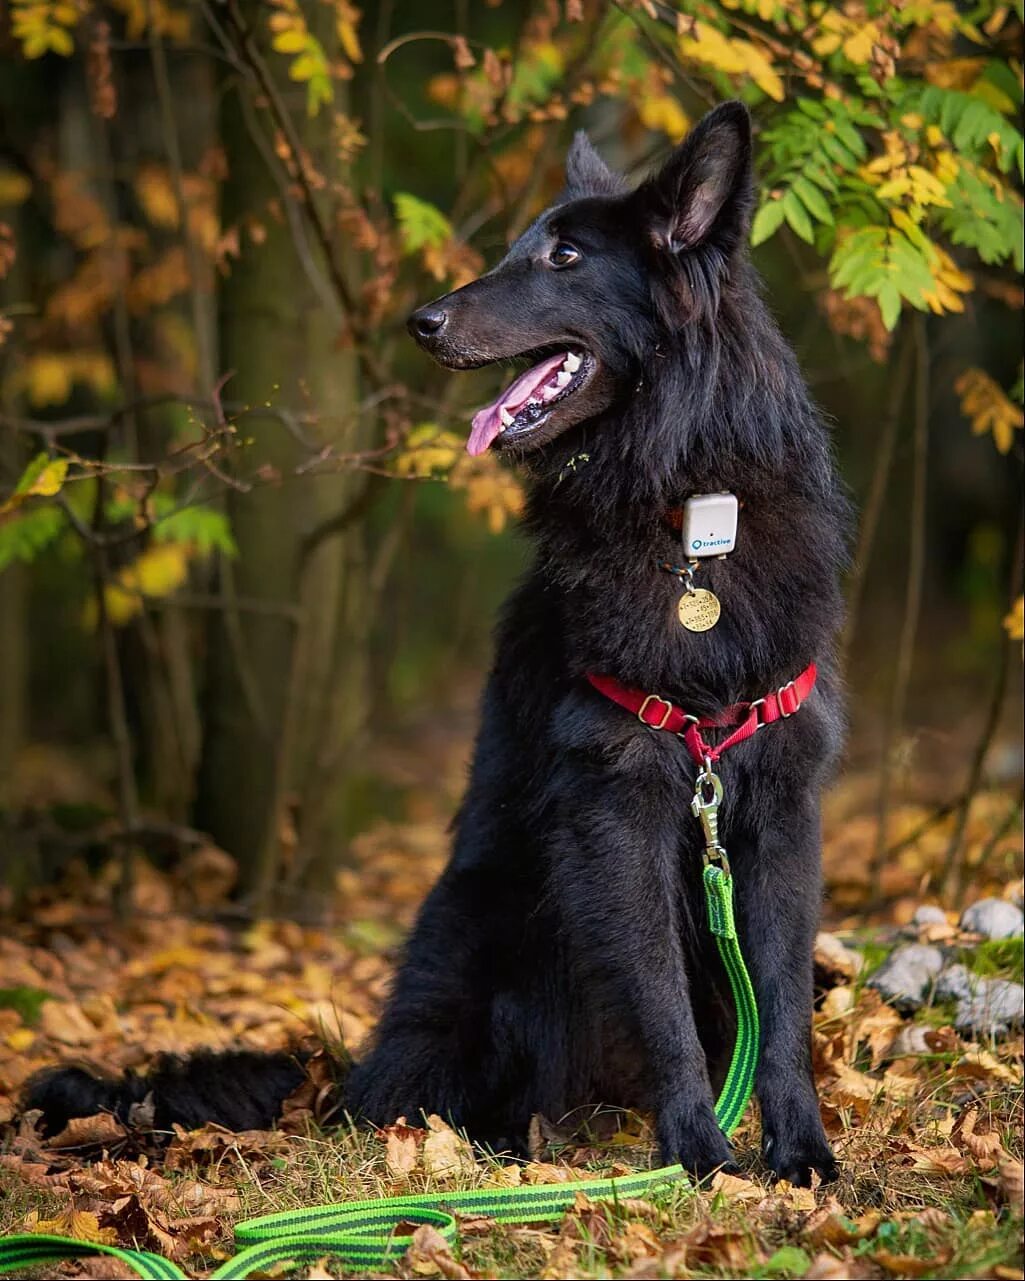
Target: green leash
<point>366,1234</point>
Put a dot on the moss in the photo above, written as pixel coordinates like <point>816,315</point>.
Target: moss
<point>27,1001</point>
<point>997,958</point>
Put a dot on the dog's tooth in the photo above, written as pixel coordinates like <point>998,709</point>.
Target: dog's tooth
<point>506,417</point>
<point>572,362</point>
<point>563,378</point>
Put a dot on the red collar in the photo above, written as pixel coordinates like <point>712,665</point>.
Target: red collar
<point>744,718</point>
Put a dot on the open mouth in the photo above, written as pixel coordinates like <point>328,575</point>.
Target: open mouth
<point>524,406</point>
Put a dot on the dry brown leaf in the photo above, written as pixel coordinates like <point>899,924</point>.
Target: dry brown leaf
<point>1012,1183</point>
<point>982,1065</point>
<point>829,1225</point>
<point>734,1188</point>
<point>835,958</point>
<point>429,1256</point>
<point>909,1265</point>
<point>709,1246</point>
<point>987,1149</point>
<point>66,1022</point>
<point>446,1155</point>
<point>101,1130</point>
<point>545,1172</point>
<point>400,1151</point>
<point>937,1160</point>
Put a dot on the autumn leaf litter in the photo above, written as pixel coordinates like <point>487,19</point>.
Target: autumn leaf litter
<point>926,1119</point>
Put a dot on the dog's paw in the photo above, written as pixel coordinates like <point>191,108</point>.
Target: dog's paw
<point>793,1156</point>
<point>692,1138</point>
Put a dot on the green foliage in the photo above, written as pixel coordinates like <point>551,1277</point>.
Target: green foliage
<point>24,535</point>
<point>25,1001</point>
<point>421,225</point>
<point>204,528</point>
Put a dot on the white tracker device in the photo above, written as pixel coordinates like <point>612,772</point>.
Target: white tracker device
<point>709,524</point>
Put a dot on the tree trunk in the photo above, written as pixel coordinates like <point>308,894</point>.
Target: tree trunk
<point>269,662</point>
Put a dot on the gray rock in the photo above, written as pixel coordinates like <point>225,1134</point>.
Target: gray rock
<point>996,1008</point>
<point>927,914</point>
<point>906,975</point>
<point>993,918</point>
<point>957,983</point>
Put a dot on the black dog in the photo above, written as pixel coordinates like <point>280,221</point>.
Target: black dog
<point>564,957</point>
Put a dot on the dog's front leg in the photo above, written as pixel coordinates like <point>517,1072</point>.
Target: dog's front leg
<point>778,883</point>
<point>616,880</point>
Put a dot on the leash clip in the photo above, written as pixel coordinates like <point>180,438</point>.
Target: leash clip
<point>708,794</point>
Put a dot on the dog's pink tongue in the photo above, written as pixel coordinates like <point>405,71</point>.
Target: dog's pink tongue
<point>487,422</point>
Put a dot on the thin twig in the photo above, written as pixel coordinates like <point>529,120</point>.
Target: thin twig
<point>913,597</point>
<point>873,505</point>
<point>161,79</point>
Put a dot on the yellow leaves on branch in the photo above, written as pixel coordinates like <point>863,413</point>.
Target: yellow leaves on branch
<point>157,572</point>
<point>705,44</point>
<point>988,408</point>
<point>43,478</point>
<point>47,377</point>
<point>490,489</point>
<point>166,20</point>
<point>854,38</point>
<point>949,282</point>
<point>291,35</point>
<point>44,26</point>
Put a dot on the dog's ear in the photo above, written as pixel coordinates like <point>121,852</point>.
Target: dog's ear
<point>586,173</point>
<point>704,191</point>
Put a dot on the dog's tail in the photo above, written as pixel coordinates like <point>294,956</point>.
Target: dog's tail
<point>239,1089</point>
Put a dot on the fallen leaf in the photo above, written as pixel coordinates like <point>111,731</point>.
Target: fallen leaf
<point>1012,1183</point>
<point>400,1151</point>
<point>429,1255</point>
<point>446,1155</point>
<point>101,1130</point>
<point>72,1223</point>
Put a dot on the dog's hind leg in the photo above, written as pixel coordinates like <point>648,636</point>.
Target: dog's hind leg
<point>616,873</point>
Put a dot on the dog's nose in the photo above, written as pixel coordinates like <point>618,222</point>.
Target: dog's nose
<point>427,322</point>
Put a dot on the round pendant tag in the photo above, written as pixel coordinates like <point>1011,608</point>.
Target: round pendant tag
<point>699,610</point>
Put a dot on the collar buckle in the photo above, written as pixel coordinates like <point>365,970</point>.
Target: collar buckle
<point>648,700</point>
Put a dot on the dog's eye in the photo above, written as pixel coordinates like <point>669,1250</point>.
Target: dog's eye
<point>563,255</point>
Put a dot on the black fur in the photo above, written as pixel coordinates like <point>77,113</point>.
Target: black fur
<point>563,958</point>
<point>242,1089</point>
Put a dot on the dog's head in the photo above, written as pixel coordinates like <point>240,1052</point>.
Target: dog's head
<point>597,282</point>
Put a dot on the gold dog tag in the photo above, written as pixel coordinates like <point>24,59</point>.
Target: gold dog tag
<point>699,610</point>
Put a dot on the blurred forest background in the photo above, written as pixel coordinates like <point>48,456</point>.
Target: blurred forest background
<point>247,573</point>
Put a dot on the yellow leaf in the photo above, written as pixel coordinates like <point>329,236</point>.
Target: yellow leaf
<point>348,21</point>
<point>1014,623</point>
<point>50,479</point>
<point>662,113</point>
<point>988,408</point>
<point>14,187</point>
<point>156,195</point>
<point>20,1039</point>
<point>706,44</point>
<point>160,569</point>
<point>73,1223</point>
<point>49,380</point>
<point>428,451</point>
<point>292,40</point>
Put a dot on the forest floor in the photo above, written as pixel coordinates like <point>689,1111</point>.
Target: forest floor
<point>926,1121</point>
